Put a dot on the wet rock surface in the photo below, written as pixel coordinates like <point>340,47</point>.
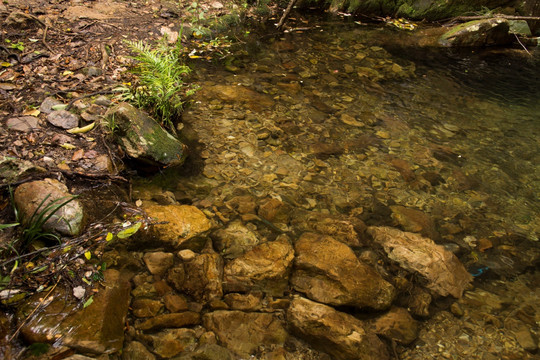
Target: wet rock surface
<point>446,275</point>
<point>328,271</point>
<point>341,335</point>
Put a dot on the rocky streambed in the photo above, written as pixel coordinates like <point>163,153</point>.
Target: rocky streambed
<point>342,200</point>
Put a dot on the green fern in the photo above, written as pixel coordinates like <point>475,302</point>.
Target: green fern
<point>161,87</point>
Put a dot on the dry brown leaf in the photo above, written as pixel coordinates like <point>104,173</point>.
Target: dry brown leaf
<point>77,155</point>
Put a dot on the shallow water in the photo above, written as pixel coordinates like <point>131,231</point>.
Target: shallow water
<point>354,117</point>
<point>355,120</point>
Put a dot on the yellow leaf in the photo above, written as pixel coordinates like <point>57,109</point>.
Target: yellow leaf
<point>67,72</point>
<point>81,130</point>
<point>88,255</point>
<point>68,146</point>
<point>129,231</point>
<point>31,112</point>
<point>109,236</point>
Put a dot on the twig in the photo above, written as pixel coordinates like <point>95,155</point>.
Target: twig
<point>44,39</point>
<point>285,14</point>
<point>70,104</point>
<point>33,311</point>
<point>520,43</point>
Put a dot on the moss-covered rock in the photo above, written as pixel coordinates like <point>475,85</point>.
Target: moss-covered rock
<point>142,138</point>
<point>478,33</point>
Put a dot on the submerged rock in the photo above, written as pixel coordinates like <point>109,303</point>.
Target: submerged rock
<point>35,196</point>
<point>98,328</point>
<point>238,94</point>
<point>341,335</point>
<point>328,271</point>
<point>171,342</point>
<point>243,332</point>
<point>142,138</point>
<point>203,277</point>
<point>136,351</point>
<point>265,268</point>
<point>397,324</point>
<point>478,33</point>
<point>446,275</point>
<point>234,240</point>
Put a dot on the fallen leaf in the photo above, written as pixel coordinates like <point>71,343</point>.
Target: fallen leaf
<point>77,155</point>
<point>88,255</point>
<point>88,302</point>
<point>31,112</point>
<point>68,146</point>
<point>129,231</point>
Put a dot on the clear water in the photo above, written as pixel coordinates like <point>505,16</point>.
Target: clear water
<point>362,118</point>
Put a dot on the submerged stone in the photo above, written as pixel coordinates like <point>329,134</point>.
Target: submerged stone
<point>266,268</point>
<point>243,333</point>
<point>339,334</point>
<point>445,274</point>
<point>328,271</point>
<point>97,328</point>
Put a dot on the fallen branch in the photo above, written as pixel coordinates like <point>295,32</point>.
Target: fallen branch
<point>507,17</point>
<point>285,14</point>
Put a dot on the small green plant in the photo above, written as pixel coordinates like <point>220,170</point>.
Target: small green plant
<point>161,88</point>
<point>19,45</point>
<point>5,226</point>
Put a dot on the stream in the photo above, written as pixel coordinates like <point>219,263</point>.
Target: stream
<point>362,121</point>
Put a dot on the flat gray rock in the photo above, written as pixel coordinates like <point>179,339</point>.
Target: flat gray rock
<point>63,119</point>
<point>23,123</point>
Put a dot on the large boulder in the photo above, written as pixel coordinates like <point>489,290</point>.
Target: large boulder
<point>142,138</point>
<point>265,268</point>
<point>242,332</point>
<point>341,335</point>
<point>35,196</point>
<point>445,274</point>
<point>328,271</point>
<point>478,33</point>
